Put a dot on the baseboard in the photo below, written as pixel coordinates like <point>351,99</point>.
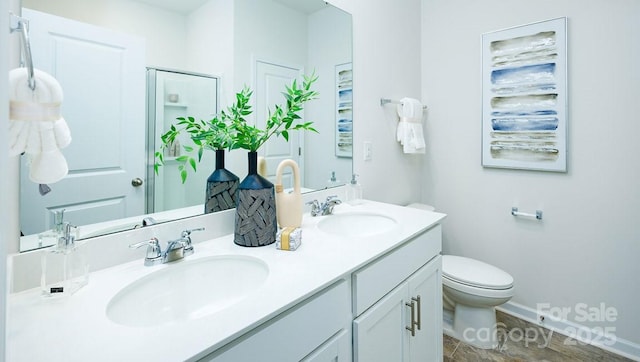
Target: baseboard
<point>609,343</point>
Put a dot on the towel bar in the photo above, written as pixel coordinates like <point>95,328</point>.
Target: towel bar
<point>384,101</point>
<point>537,215</point>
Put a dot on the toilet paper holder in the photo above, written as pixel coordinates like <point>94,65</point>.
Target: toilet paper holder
<point>537,215</point>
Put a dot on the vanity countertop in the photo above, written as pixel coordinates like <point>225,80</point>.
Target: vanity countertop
<point>77,328</point>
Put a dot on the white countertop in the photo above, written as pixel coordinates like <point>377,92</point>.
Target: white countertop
<point>77,328</point>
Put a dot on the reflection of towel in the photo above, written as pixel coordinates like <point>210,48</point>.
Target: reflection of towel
<point>36,126</point>
<point>409,132</point>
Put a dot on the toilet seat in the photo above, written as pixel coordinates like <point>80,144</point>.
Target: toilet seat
<point>474,273</point>
<point>478,291</point>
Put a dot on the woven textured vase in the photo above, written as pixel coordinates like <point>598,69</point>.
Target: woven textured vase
<point>222,186</point>
<point>255,223</point>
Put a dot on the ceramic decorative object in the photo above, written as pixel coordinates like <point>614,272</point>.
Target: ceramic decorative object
<point>222,185</point>
<point>255,223</point>
<point>288,204</point>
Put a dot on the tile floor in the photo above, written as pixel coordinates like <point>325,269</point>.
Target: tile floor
<point>550,347</point>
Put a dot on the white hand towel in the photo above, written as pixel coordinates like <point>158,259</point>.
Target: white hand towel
<point>36,126</point>
<point>48,167</point>
<point>410,133</point>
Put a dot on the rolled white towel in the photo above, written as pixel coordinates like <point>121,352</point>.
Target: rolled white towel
<point>36,126</point>
<point>48,90</point>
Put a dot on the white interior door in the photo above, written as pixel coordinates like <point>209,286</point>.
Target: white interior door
<point>270,83</point>
<point>102,75</point>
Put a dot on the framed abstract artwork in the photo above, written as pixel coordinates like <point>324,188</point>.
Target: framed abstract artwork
<point>524,97</point>
<point>344,110</point>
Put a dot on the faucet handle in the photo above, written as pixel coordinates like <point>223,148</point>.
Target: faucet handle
<point>187,233</point>
<point>154,253</point>
<point>315,207</point>
<point>67,238</point>
<point>333,198</point>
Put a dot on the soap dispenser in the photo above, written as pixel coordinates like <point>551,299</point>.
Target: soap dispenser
<point>333,181</point>
<point>64,266</point>
<point>50,237</point>
<point>354,191</point>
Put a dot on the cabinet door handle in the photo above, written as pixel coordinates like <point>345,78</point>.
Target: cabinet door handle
<point>412,328</point>
<point>418,321</point>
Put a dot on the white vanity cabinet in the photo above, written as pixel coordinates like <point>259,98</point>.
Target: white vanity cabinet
<point>397,302</point>
<point>315,330</point>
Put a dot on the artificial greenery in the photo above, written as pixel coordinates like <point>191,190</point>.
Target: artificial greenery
<point>230,129</point>
<point>214,134</point>
<point>280,121</point>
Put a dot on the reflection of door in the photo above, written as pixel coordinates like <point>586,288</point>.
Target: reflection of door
<point>102,75</point>
<point>270,83</point>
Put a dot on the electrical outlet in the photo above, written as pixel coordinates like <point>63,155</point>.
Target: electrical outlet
<point>368,151</point>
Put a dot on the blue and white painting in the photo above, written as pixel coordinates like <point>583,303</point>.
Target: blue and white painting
<point>524,92</point>
<point>344,110</point>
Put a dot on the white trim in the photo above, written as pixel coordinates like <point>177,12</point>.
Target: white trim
<point>615,345</point>
<point>9,232</point>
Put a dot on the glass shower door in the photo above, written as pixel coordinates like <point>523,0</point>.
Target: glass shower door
<point>174,94</point>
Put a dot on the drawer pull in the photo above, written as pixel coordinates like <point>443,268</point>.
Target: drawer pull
<point>418,322</point>
<point>412,328</point>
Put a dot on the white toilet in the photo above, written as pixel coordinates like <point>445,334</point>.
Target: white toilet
<point>471,290</point>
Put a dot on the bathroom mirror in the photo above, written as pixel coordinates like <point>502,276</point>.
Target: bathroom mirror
<point>323,30</point>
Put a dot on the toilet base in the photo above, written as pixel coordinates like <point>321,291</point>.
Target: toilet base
<point>475,326</point>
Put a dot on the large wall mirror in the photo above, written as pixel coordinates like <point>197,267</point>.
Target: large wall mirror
<point>235,43</point>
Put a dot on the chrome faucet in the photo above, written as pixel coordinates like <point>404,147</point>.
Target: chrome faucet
<point>66,238</point>
<point>176,249</point>
<point>326,208</point>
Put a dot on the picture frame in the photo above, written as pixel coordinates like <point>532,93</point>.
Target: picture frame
<point>344,111</point>
<point>524,97</point>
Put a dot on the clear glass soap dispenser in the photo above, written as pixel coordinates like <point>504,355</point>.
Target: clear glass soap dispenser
<point>64,266</point>
<point>354,191</point>
<point>333,181</point>
<point>50,237</point>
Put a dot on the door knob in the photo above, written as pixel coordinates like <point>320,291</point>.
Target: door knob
<point>136,182</point>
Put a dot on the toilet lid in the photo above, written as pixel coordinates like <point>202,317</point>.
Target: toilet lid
<point>475,273</point>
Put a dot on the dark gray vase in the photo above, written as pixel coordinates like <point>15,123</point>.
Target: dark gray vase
<point>255,209</point>
<point>222,186</point>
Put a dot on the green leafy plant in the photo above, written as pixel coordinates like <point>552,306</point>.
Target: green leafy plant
<point>230,129</point>
<point>280,121</point>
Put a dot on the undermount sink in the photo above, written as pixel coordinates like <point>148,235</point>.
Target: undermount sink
<point>356,224</point>
<point>187,290</point>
